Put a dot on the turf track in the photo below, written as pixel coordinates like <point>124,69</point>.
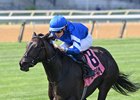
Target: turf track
<point>18,85</point>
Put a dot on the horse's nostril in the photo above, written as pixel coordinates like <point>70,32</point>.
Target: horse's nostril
<point>20,63</point>
<point>23,66</point>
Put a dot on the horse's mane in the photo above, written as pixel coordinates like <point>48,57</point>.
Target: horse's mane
<point>60,53</point>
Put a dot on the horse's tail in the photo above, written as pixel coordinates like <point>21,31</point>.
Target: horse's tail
<point>123,85</point>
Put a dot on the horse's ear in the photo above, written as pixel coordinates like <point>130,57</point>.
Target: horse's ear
<point>34,34</point>
<point>49,36</point>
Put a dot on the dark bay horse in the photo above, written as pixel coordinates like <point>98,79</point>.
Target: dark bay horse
<point>65,75</point>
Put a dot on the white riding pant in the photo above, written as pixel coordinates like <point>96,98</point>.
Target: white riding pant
<point>85,43</point>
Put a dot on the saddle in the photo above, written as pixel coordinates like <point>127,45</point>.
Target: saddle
<point>94,63</point>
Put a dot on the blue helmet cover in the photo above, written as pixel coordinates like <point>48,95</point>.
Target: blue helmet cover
<point>57,23</point>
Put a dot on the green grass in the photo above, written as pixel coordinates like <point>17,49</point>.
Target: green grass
<point>33,85</point>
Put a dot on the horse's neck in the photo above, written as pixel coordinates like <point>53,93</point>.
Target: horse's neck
<point>53,69</point>
<point>57,68</point>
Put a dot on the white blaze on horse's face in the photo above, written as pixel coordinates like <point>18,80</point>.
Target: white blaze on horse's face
<point>32,54</point>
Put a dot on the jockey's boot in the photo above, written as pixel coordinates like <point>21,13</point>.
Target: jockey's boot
<point>87,71</point>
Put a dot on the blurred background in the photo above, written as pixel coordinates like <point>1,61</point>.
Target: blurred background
<point>104,18</point>
<point>68,4</point>
<point>114,25</point>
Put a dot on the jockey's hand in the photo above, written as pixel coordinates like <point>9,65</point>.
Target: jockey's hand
<point>61,49</point>
<point>55,45</point>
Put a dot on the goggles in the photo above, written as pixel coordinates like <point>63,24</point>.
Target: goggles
<point>57,31</point>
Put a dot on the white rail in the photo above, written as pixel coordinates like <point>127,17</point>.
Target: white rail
<point>75,18</point>
<point>73,15</point>
<point>40,16</point>
<point>66,12</point>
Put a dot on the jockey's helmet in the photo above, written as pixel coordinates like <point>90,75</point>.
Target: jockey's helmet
<point>57,23</point>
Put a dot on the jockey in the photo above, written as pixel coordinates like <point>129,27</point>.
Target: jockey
<point>75,38</point>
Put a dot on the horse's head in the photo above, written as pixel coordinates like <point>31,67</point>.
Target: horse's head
<point>36,51</point>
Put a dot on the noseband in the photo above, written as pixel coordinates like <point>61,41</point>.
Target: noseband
<point>33,60</point>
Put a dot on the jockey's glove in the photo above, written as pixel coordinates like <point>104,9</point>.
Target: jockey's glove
<point>62,49</point>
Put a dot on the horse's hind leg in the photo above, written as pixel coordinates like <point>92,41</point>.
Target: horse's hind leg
<point>104,89</point>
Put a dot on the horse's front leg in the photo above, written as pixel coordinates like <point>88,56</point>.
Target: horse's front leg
<point>51,92</point>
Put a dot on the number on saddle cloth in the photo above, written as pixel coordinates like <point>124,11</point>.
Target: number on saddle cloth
<point>93,61</point>
<point>92,58</point>
<point>95,64</point>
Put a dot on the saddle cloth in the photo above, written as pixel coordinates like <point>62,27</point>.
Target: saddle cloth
<point>95,64</point>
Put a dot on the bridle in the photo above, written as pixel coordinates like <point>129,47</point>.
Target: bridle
<point>34,60</point>
<point>31,59</point>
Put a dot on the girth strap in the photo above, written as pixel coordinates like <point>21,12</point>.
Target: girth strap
<point>84,93</point>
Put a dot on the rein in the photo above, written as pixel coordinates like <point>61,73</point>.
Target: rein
<point>48,60</point>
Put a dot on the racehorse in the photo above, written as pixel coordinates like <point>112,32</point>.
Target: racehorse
<point>65,75</point>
